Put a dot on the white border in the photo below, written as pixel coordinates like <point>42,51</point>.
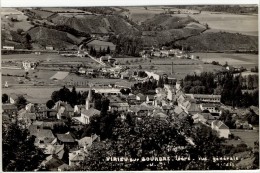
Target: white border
<point>64,3</point>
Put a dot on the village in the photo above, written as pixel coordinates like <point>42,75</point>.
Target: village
<point>166,100</point>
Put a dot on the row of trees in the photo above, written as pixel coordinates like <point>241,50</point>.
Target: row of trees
<point>73,97</point>
<point>101,52</point>
<point>127,44</point>
<point>225,84</point>
<point>199,84</point>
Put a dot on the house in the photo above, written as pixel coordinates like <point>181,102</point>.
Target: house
<point>140,97</point>
<point>78,108</point>
<point>9,109</point>
<point>82,70</point>
<point>193,108</point>
<point>108,91</point>
<point>179,112</point>
<point>87,141</point>
<point>207,98</point>
<point>63,109</point>
<point>199,118</point>
<point>212,108</point>
<point>221,128</point>
<point>52,163</point>
<point>149,98</point>
<point>141,110</point>
<point>101,45</point>
<point>8,47</point>
<point>105,59</point>
<point>160,115</point>
<point>208,117</point>
<point>243,124</point>
<point>76,157</point>
<point>49,48</point>
<point>117,104</point>
<point>86,115</point>
<point>125,75</point>
<point>67,139</point>
<point>58,150</point>
<point>28,65</point>
<point>153,74</point>
<point>170,92</point>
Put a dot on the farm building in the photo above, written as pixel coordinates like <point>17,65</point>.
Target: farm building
<point>221,128</point>
<point>108,91</point>
<point>49,48</point>
<point>212,108</point>
<point>27,65</point>
<point>8,47</point>
<point>97,44</point>
<point>207,98</point>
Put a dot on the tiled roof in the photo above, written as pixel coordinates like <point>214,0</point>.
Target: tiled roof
<point>220,124</point>
<point>178,110</point>
<point>194,108</point>
<point>67,137</point>
<point>90,112</point>
<point>8,107</point>
<point>206,96</point>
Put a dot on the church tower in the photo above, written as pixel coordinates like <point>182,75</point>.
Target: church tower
<point>89,102</point>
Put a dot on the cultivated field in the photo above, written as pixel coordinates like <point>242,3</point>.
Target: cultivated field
<point>44,57</point>
<point>22,23</point>
<point>181,67</point>
<point>246,60</point>
<point>244,24</point>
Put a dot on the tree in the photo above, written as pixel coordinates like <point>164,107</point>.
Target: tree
<point>19,31</point>
<point>73,97</point>
<point>160,82</point>
<point>4,98</point>
<point>108,50</point>
<point>152,137</point>
<point>21,102</point>
<point>19,151</point>
<point>50,104</point>
<point>55,96</point>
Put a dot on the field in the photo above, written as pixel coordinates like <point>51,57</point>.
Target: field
<point>140,14</point>
<point>246,60</point>
<point>244,24</point>
<point>39,94</point>
<point>22,22</point>
<point>248,136</point>
<point>44,57</point>
<point>181,67</point>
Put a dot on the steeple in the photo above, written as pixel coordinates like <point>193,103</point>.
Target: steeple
<point>89,98</point>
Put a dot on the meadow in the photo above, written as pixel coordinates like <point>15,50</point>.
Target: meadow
<point>44,57</point>
<point>248,136</point>
<point>246,60</point>
<point>234,23</point>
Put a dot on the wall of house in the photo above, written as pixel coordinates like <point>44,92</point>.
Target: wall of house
<point>224,133</point>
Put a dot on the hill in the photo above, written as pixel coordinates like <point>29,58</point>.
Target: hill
<point>94,23</point>
<point>44,36</point>
<point>220,41</point>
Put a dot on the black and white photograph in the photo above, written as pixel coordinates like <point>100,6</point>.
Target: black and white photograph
<point>130,88</point>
